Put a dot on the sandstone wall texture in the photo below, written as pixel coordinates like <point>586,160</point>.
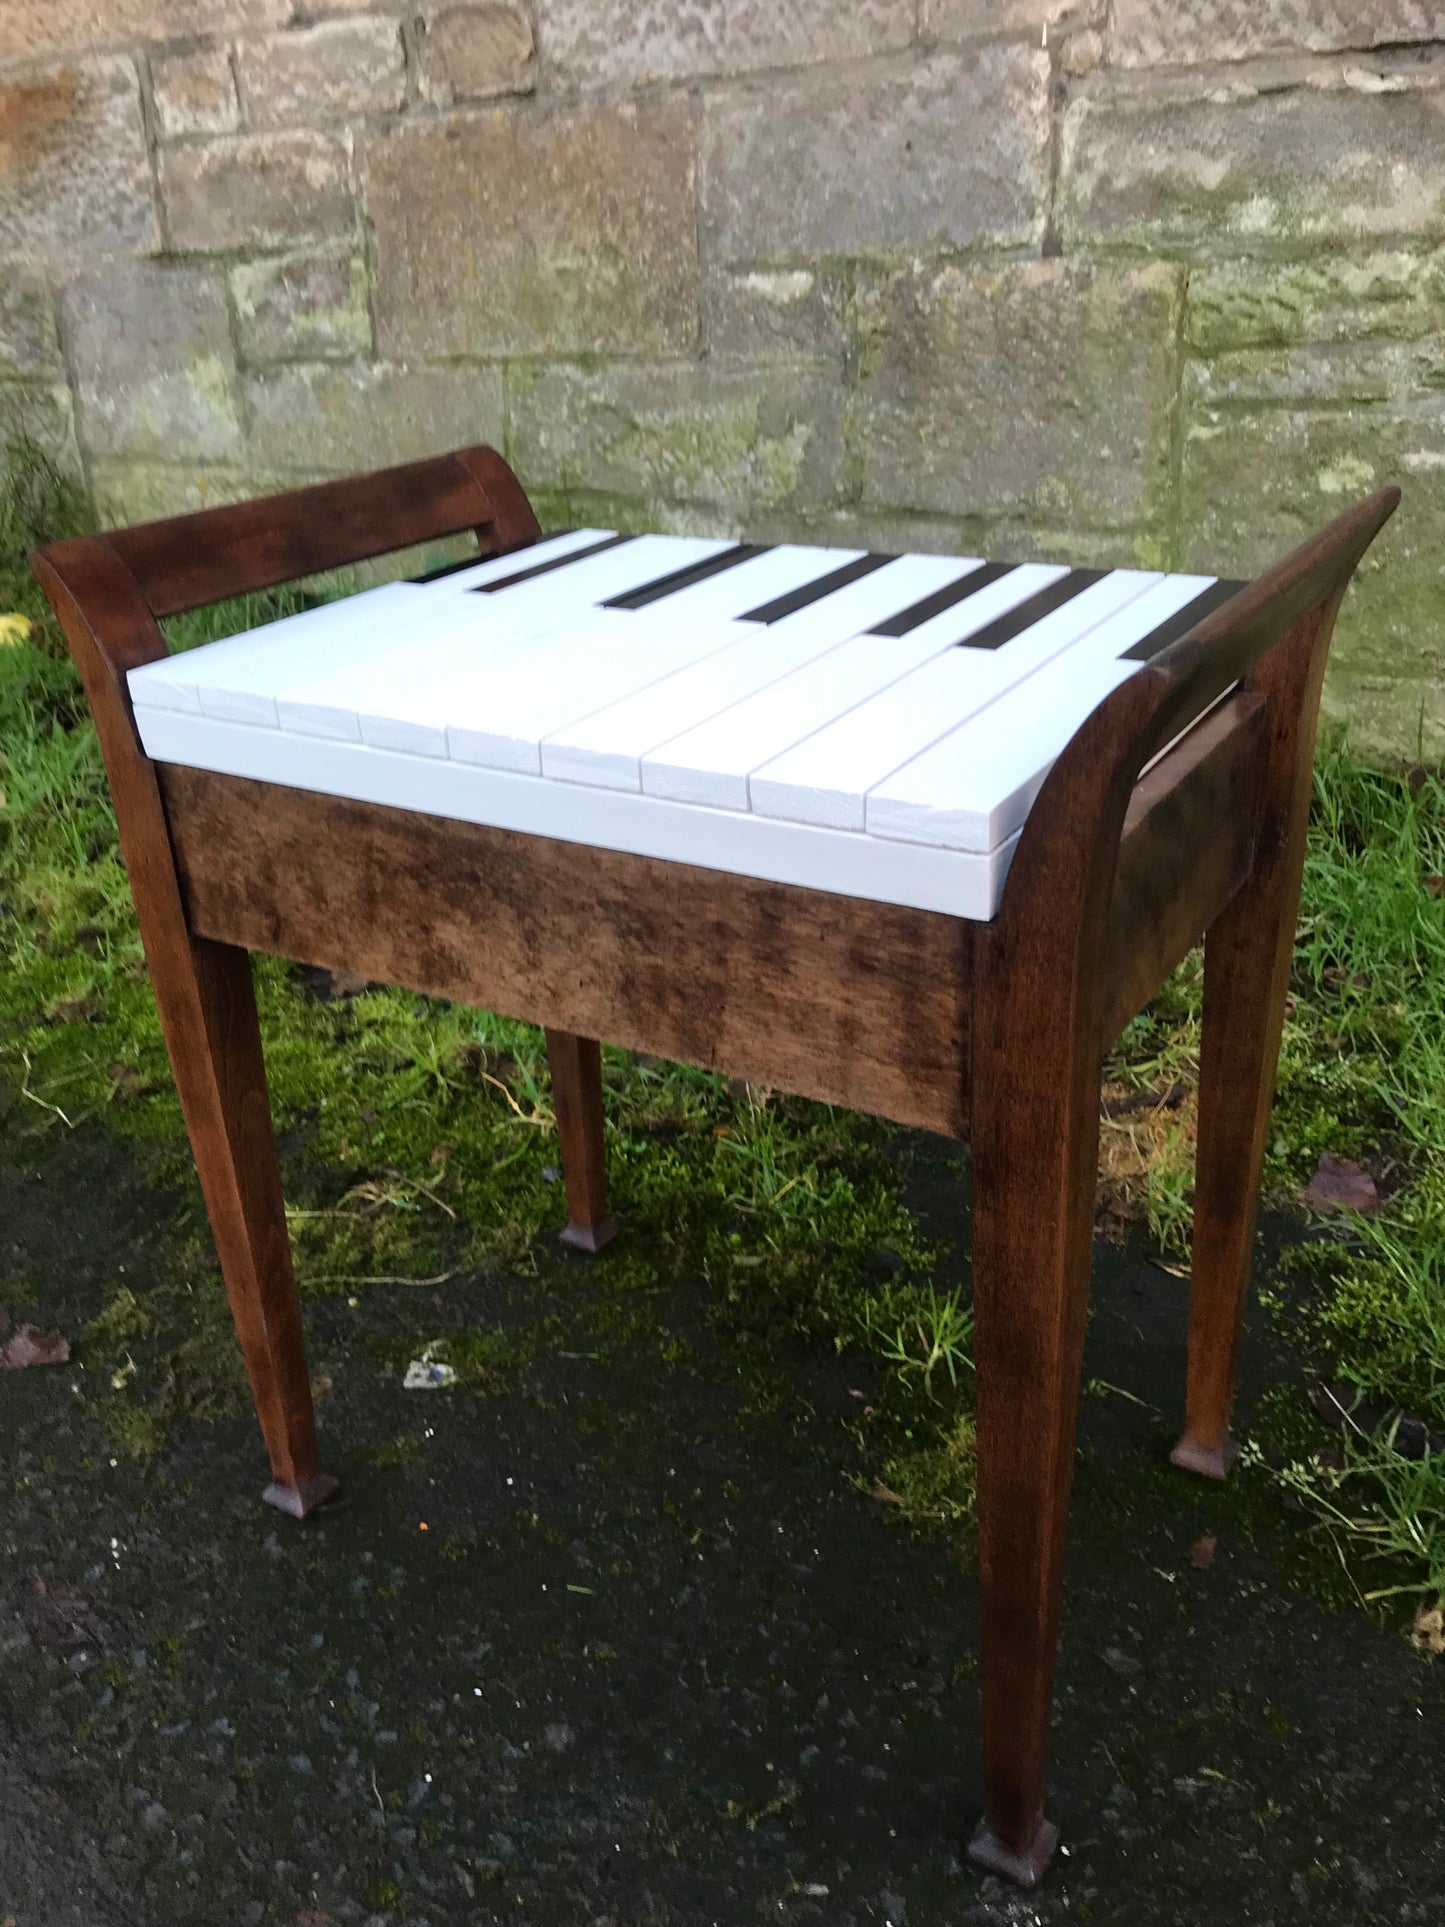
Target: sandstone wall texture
<point>1156,281</point>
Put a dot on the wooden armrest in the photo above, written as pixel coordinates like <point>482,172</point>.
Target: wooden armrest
<point>1187,846</point>
<point>190,561</point>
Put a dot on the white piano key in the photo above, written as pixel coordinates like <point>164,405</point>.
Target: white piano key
<point>712,762</point>
<point>972,789</point>
<point>914,875</point>
<point>607,746</point>
<point>825,778</point>
<point>247,663</point>
<point>500,719</point>
<point>240,675</point>
<point>392,672</point>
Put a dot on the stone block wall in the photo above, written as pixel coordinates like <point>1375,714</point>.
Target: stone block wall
<point>1123,280</point>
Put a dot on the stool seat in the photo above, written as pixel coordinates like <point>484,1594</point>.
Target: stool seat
<point>869,725</point>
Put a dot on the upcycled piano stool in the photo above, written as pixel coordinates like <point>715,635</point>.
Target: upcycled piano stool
<point>914,834</point>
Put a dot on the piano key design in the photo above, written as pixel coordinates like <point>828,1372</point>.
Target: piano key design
<point>871,725</point>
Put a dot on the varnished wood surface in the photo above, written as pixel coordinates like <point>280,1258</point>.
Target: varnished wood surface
<point>854,1002</point>
<point>1248,955</point>
<point>1187,846</point>
<point>191,560</point>
<point>575,1064</point>
<point>208,1017</point>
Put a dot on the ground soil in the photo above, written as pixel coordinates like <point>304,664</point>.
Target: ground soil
<point>659,1659</point>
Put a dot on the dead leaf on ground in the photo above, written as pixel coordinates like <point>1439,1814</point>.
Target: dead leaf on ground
<point>61,1615</point>
<point>1201,1553</point>
<point>1435,886</point>
<point>31,1346</point>
<point>1429,1632</point>
<point>1341,1185</point>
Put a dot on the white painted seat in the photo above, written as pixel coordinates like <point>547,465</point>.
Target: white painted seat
<point>875,726</point>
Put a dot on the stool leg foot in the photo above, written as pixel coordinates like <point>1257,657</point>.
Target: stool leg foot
<point>300,1501</point>
<point>576,1067</point>
<point>1209,1460</point>
<point>1024,1866</point>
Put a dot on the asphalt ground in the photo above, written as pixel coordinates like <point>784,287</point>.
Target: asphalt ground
<point>628,1642</point>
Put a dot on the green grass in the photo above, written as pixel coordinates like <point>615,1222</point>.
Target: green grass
<point>426,1145</point>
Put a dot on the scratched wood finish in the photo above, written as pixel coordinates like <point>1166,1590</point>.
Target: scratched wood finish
<point>856,1003</point>
<point>993,1029</point>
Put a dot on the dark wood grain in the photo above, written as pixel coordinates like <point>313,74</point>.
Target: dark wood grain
<point>1187,846</point>
<point>576,1067</point>
<point>1042,988</point>
<point>207,1009</point>
<point>854,1002</point>
<point>192,560</point>
<point>1247,958</point>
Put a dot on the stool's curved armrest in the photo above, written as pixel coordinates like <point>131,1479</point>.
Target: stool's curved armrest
<point>1224,647</point>
<point>189,561</point>
<point>1069,845</point>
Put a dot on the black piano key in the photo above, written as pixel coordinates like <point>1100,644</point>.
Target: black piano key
<point>823,585</point>
<point>446,568</point>
<point>1182,621</point>
<point>917,613</point>
<point>1004,628</point>
<point>556,562</point>
<point>667,585</point>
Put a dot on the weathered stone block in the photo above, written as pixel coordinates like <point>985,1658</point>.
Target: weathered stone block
<point>721,433</point>
<point>302,307</point>
<point>43,415</point>
<point>150,349</point>
<point>327,72</point>
<point>518,233</point>
<point>1042,391</point>
<point>1152,32</point>
<point>1258,481</point>
<point>29,338</point>
<point>965,19</point>
<point>144,491</point>
<point>764,313</point>
<point>368,415</point>
<point>37,29</point>
<point>195,92</point>
<point>262,190</point>
<point>947,152</point>
<point>74,173</point>
<point>1391,294</point>
<point>633,41</point>
<point>476,53</point>
<point>1248,171</point>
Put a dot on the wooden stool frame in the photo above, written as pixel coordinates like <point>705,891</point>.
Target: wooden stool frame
<point>992,1032</point>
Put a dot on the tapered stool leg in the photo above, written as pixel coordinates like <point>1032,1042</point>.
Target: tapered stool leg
<point>208,1012</point>
<point>1035,1151</point>
<point>1248,952</point>
<point>576,1067</point>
